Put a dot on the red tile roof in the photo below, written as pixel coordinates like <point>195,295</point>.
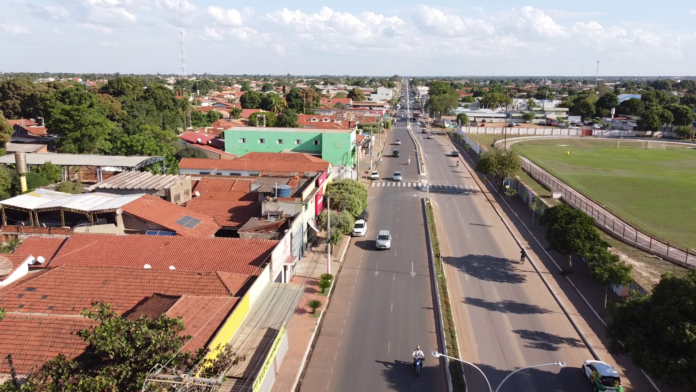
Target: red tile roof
<point>216,150</point>
<point>196,137</point>
<point>202,316</point>
<point>22,122</point>
<point>163,213</point>
<point>9,262</point>
<point>262,162</point>
<point>323,122</point>
<point>34,339</point>
<point>240,256</point>
<point>248,112</point>
<point>46,247</point>
<point>68,289</point>
<point>227,213</point>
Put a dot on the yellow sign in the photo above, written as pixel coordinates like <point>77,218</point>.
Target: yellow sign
<point>269,359</point>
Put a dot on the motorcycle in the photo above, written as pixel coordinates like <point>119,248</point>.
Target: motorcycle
<point>418,366</point>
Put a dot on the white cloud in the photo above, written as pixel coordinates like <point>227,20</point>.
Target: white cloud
<point>213,34</point>
<point>230,17</point>
<point>532,23</point>
<point>97,28</point>
<point>109,44</point>
<point>13,29</point>
<point>432,20</point>
<point>111,15</point>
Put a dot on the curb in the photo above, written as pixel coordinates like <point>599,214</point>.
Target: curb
<point>418,149</point>
<point>436,295</point>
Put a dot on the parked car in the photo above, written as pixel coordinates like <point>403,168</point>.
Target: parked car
<point>359,228</point>
<point>395,153</point>
<point>541,123</point>
<point>510,125</point>
<point>397,142</point>
<point>430,136</point>
<point>602,376</point>
<point>374,175</point>
<point>397,176</point>
<point>383,240</point>
<point>597,126</point>
<point>454,153</point>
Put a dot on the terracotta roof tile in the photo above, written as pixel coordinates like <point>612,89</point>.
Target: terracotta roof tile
<point>46,247</point>
<point>202,316</point>
<point>34,339</point>
<point>163,213</point>
<point>194,137</point>
<point>226,213</point>
<point>69,289</point>
<point>241,256</point>
<point>261,161</point>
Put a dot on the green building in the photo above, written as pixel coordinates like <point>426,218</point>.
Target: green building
<point>333,145</point>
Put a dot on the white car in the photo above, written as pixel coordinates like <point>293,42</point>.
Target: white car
<point>383,240</point>
<point>359,228</point>
<point>602,376</point>
<point>397,176</point>
<point>374,175</point>
<point>398,142</point>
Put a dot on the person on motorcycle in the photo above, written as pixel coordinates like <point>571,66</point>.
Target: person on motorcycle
<point>457,163</point>
<point>418,354</point>
<point>523,255</point>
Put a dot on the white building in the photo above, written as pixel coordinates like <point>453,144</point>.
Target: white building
<point>382,94</point>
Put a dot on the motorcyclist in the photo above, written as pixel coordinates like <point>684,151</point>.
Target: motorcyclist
<point>457,163</point>
<point>523,255</point>
<point>418,354</point>
<point>409,160</point>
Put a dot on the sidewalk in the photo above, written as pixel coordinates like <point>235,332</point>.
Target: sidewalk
<point>303,324</point>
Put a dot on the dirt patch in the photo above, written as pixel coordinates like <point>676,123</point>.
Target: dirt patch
<point>639,269</point>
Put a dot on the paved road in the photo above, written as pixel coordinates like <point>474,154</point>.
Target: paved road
<point>379,312</point>
<point>505,316</point>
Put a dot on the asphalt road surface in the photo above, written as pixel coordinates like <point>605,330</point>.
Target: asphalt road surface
<point>382,306</point>
<point>505,316</point>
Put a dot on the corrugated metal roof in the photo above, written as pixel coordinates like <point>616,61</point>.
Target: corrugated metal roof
<point>84,160</point>
<point>139,180</point>
<point>43,199</point>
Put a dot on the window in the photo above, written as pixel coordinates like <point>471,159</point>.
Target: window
<point>316,142</point>
<point>280,141</point>
<point>313,119</point>
<point>186,193</point>
<point>325,119</point>
<point>298,142</point>
<point>262,141</point>
<point>242,140</point>
<point>203,173</point>
<point>177,198</point>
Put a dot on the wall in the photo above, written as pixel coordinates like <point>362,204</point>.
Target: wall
<point>339,148</point>
<point>307,138</point>
<point>108,228</point>
<point>21,271</point>
<point>281,254</point>
<point>134,225</point>
<point>259,284</point>
<point>231,325</point>
<point>522,131</point>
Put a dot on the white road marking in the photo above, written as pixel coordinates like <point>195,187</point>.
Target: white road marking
<point>394,278</point>
<point>388,347</point>
<point>392,306</point>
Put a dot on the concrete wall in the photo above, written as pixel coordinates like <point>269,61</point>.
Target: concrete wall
<point>307,140</point>
<point>231,325</point>
<point>101,229</point>
<point>339,148</point>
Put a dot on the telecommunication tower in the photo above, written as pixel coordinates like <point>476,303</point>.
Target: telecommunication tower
<point>182,55</point>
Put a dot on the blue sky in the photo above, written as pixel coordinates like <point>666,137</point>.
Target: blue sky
<point>359,37</point>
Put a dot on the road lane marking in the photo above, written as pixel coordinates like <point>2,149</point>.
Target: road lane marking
<point>394,278</point>
<point>327,384</point>
<point>388,347</point>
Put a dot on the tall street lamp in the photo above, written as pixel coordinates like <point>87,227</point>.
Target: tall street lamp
<point>437,355</point>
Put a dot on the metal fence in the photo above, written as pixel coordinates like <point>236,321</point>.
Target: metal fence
<point>512,131</point>
<point>610,222</point>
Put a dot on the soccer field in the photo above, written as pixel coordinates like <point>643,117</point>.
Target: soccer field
<point>653,189</point>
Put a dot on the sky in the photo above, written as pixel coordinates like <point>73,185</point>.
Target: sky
<point>359,37</point>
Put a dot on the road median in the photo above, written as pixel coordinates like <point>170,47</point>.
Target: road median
<point>443,308</point>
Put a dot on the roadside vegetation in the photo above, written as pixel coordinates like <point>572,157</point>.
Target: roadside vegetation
<point>347,199</point>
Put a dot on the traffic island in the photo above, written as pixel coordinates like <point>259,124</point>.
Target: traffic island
<point>448,332</point>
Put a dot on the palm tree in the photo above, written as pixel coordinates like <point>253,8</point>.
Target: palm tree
<point>278,104</point>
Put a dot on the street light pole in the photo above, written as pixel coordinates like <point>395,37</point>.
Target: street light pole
<point>437,355</point>
<point>328,235</point>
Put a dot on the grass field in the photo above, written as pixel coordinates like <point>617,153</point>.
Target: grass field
<point>652,189</point>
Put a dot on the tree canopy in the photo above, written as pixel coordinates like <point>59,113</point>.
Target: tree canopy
<point>347,195</point>
<point>570,231</point>
<point>356,94</point>
<point>500,164</point>
<point>657,331</point>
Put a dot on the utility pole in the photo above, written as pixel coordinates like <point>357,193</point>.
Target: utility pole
<point>596,75</point>
<point>328,235</point>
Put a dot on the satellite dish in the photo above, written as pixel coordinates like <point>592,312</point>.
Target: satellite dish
<point>147,266</point>
<point>172,268</point>
<point>198,194</point>
<point>119,211</point>
<point>198,140</point>
<point>40,259</point>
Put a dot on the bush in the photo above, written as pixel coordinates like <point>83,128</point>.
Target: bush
<point>328,277</point>
<point>313,304</point>
<point>70,187</point>
<point>323,285</point>
<point>345,222</point>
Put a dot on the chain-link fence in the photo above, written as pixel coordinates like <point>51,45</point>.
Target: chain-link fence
<point>609,222</point>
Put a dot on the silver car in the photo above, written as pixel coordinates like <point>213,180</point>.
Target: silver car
<point>383,240</point>
<point>397,176</point>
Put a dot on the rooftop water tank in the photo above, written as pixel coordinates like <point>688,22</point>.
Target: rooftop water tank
<point>283,190</point>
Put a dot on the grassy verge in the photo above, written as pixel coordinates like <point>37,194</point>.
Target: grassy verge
<point>455,368</point>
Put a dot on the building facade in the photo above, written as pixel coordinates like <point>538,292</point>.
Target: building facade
<point>334,145</point>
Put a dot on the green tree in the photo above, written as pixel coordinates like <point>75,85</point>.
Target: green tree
<point>70,187</point>
<point>631,107</point>
<point>528,116</point>
<point>569,231</point>
<point>6,131</point>
<point>685,132</point>
<point>463,119</point>
<point>295,100</point>
<point>500,164</point>
<point>323,285</point>
<point>273,103</point>
<point>531,104</point>
<point>124,86</point>
<point>199,119</point>
<point>52,173</point>
<point>82,130</point>
<point>657,331</point>
<point>607,268</point>
<point>356,94</point>
<point>184,151</point>
<point>341,94</point>
<point>251,100</point>
<point>20,97</point>
<point>310,98</point>
<point>682,114</point>
<point>266,87</point>
<point>314,304</point>
<point>6,182</point>
<point>326,276</point>
<point>150,141</point>
<point>608,101</point>
<point>584,108</point>
<point>213,116</point>
<point>347,195</point>
<point>236,112</point>
<point>288,119</point>
<point>653,117</point>
<point>271,119</point>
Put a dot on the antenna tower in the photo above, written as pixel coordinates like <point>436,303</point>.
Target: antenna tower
<point>182,56</point>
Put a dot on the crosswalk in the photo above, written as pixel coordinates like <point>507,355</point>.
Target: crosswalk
<point>407,184</point>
